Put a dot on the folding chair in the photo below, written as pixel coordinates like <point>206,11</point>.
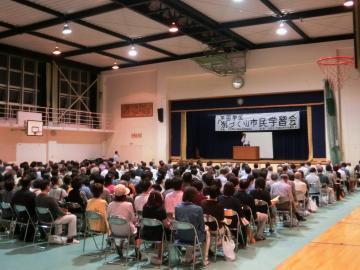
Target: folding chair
<point>91,216</point>
<point>23,218</point>
<point>252,220</point>
<point>177,228</point>
<point>234,216</point>
<point>324,196</point>
<point>263,203</point>
<point>146,223</point>
<point>121,230</point>
<point>45,221</point>
<point>7,216</point>
<point>214,234</point>
<point>283,209</point>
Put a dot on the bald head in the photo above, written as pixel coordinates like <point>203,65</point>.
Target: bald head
<point>298,175</point>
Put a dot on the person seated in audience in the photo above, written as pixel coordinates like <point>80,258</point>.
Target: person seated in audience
<point>99,205</point>
<point>66,182</point>
<point>99,179</point>
<point>174,198</point>
<point>325,184</point>
<point>223,172</point>
<point>58,193</point>
<point>120,207</point>
<point>228,201</point>
<point>245,172</point>
<point>274,177</point>
<point>187,180</point>
<point>155,209</point>
<point>77,197</point>
<point>262,196</point>
<point>251,183</point>
<point>200,196</point>
<point>300,188</point>
<point>212,207</point>
<point>108,182</point>
<point>168,188</point>
<point>8,192</point>
<point>141,200</point>
<point>314,184</point>
<point>60,216</point>
<point>284,191</point>
<point>24,196</point>
<point>188,211</point>
<point>246,200</point>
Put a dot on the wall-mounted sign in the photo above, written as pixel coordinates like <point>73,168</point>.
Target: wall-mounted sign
<point>137,110</point>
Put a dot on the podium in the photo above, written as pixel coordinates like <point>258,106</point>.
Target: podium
<point>246,152</point>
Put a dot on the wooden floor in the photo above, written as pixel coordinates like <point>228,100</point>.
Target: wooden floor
<point>337,248</point>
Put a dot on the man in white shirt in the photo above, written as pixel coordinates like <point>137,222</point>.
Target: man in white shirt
<point>141,200</point>
<point>116,157</point>
<point>175,197</point>
<point>300,187</point>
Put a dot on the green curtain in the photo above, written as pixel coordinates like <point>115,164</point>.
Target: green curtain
<point>332,127</point>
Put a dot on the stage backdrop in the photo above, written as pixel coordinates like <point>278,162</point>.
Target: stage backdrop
<point>202,141</point>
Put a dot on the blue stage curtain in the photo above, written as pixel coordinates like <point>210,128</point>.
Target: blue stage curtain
<point>204,142</point>
<point>318,129</point>
<point>175,133</point>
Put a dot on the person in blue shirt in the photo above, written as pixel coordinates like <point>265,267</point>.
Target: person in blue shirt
<point>188,211</point>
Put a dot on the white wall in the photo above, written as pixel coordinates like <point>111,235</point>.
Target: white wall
<point>283,69</point>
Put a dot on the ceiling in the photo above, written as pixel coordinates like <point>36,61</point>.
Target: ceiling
<point>104,30</point>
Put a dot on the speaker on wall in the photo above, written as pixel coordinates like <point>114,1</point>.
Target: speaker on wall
<point>160,115</point>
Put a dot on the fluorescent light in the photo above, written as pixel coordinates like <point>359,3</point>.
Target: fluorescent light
<point>115,65</point>
<point>56,51</point>
<point>237,1</point>
<point>173,28</point>
<point>348,3</point>
<point>66,30</point>
<point>281,31</point>
<point>133,52</point>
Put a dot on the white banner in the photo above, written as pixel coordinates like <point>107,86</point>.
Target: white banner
<point>257,121</point>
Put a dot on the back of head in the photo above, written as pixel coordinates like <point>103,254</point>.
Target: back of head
<point>260,183</point>
<point>198,185</point>
<point>177,183</point>
<point>214,192</point>
<point>44,185</point>
<point>244,185</point>
<point>97,189</point>
<point>229,189</point>
<point>312,170</point>
<point>155,199</point>
<point>190,195</point>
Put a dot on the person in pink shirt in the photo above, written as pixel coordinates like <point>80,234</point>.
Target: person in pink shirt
<point>175,197</point>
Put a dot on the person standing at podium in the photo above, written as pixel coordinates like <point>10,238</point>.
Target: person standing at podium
<point>244,140</point>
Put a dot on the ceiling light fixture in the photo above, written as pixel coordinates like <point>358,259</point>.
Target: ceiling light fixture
<point>173,28</point>
<point>133,52</point>
<point>348,3</point>
<point>115,65</point>
<point>66,30</point>
<point>56,51</point>
<point>237,1</point>
<point>281,31</point>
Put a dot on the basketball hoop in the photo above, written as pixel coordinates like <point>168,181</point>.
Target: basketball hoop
<point>336,69</point>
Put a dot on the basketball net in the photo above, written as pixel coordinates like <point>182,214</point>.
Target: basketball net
<point>336,69</point>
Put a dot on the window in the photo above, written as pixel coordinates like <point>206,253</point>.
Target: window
<point>18,80</point>
<point>73,89</point>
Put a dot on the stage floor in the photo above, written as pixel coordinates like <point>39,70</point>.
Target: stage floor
<point>337,248</point>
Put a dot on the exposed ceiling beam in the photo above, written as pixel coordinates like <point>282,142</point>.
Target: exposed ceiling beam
<point>140,41</point>
<point>260,46</point>
<point>278,13</point>
<point>160,60</point>
<point>91,26</point>
<point>231,24</point>
<point>286,17</point>
<point>303,41</point>
<point>206,21</point>
<point>44,57</point>
<point>68,43</point>
<point>66,17</point>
